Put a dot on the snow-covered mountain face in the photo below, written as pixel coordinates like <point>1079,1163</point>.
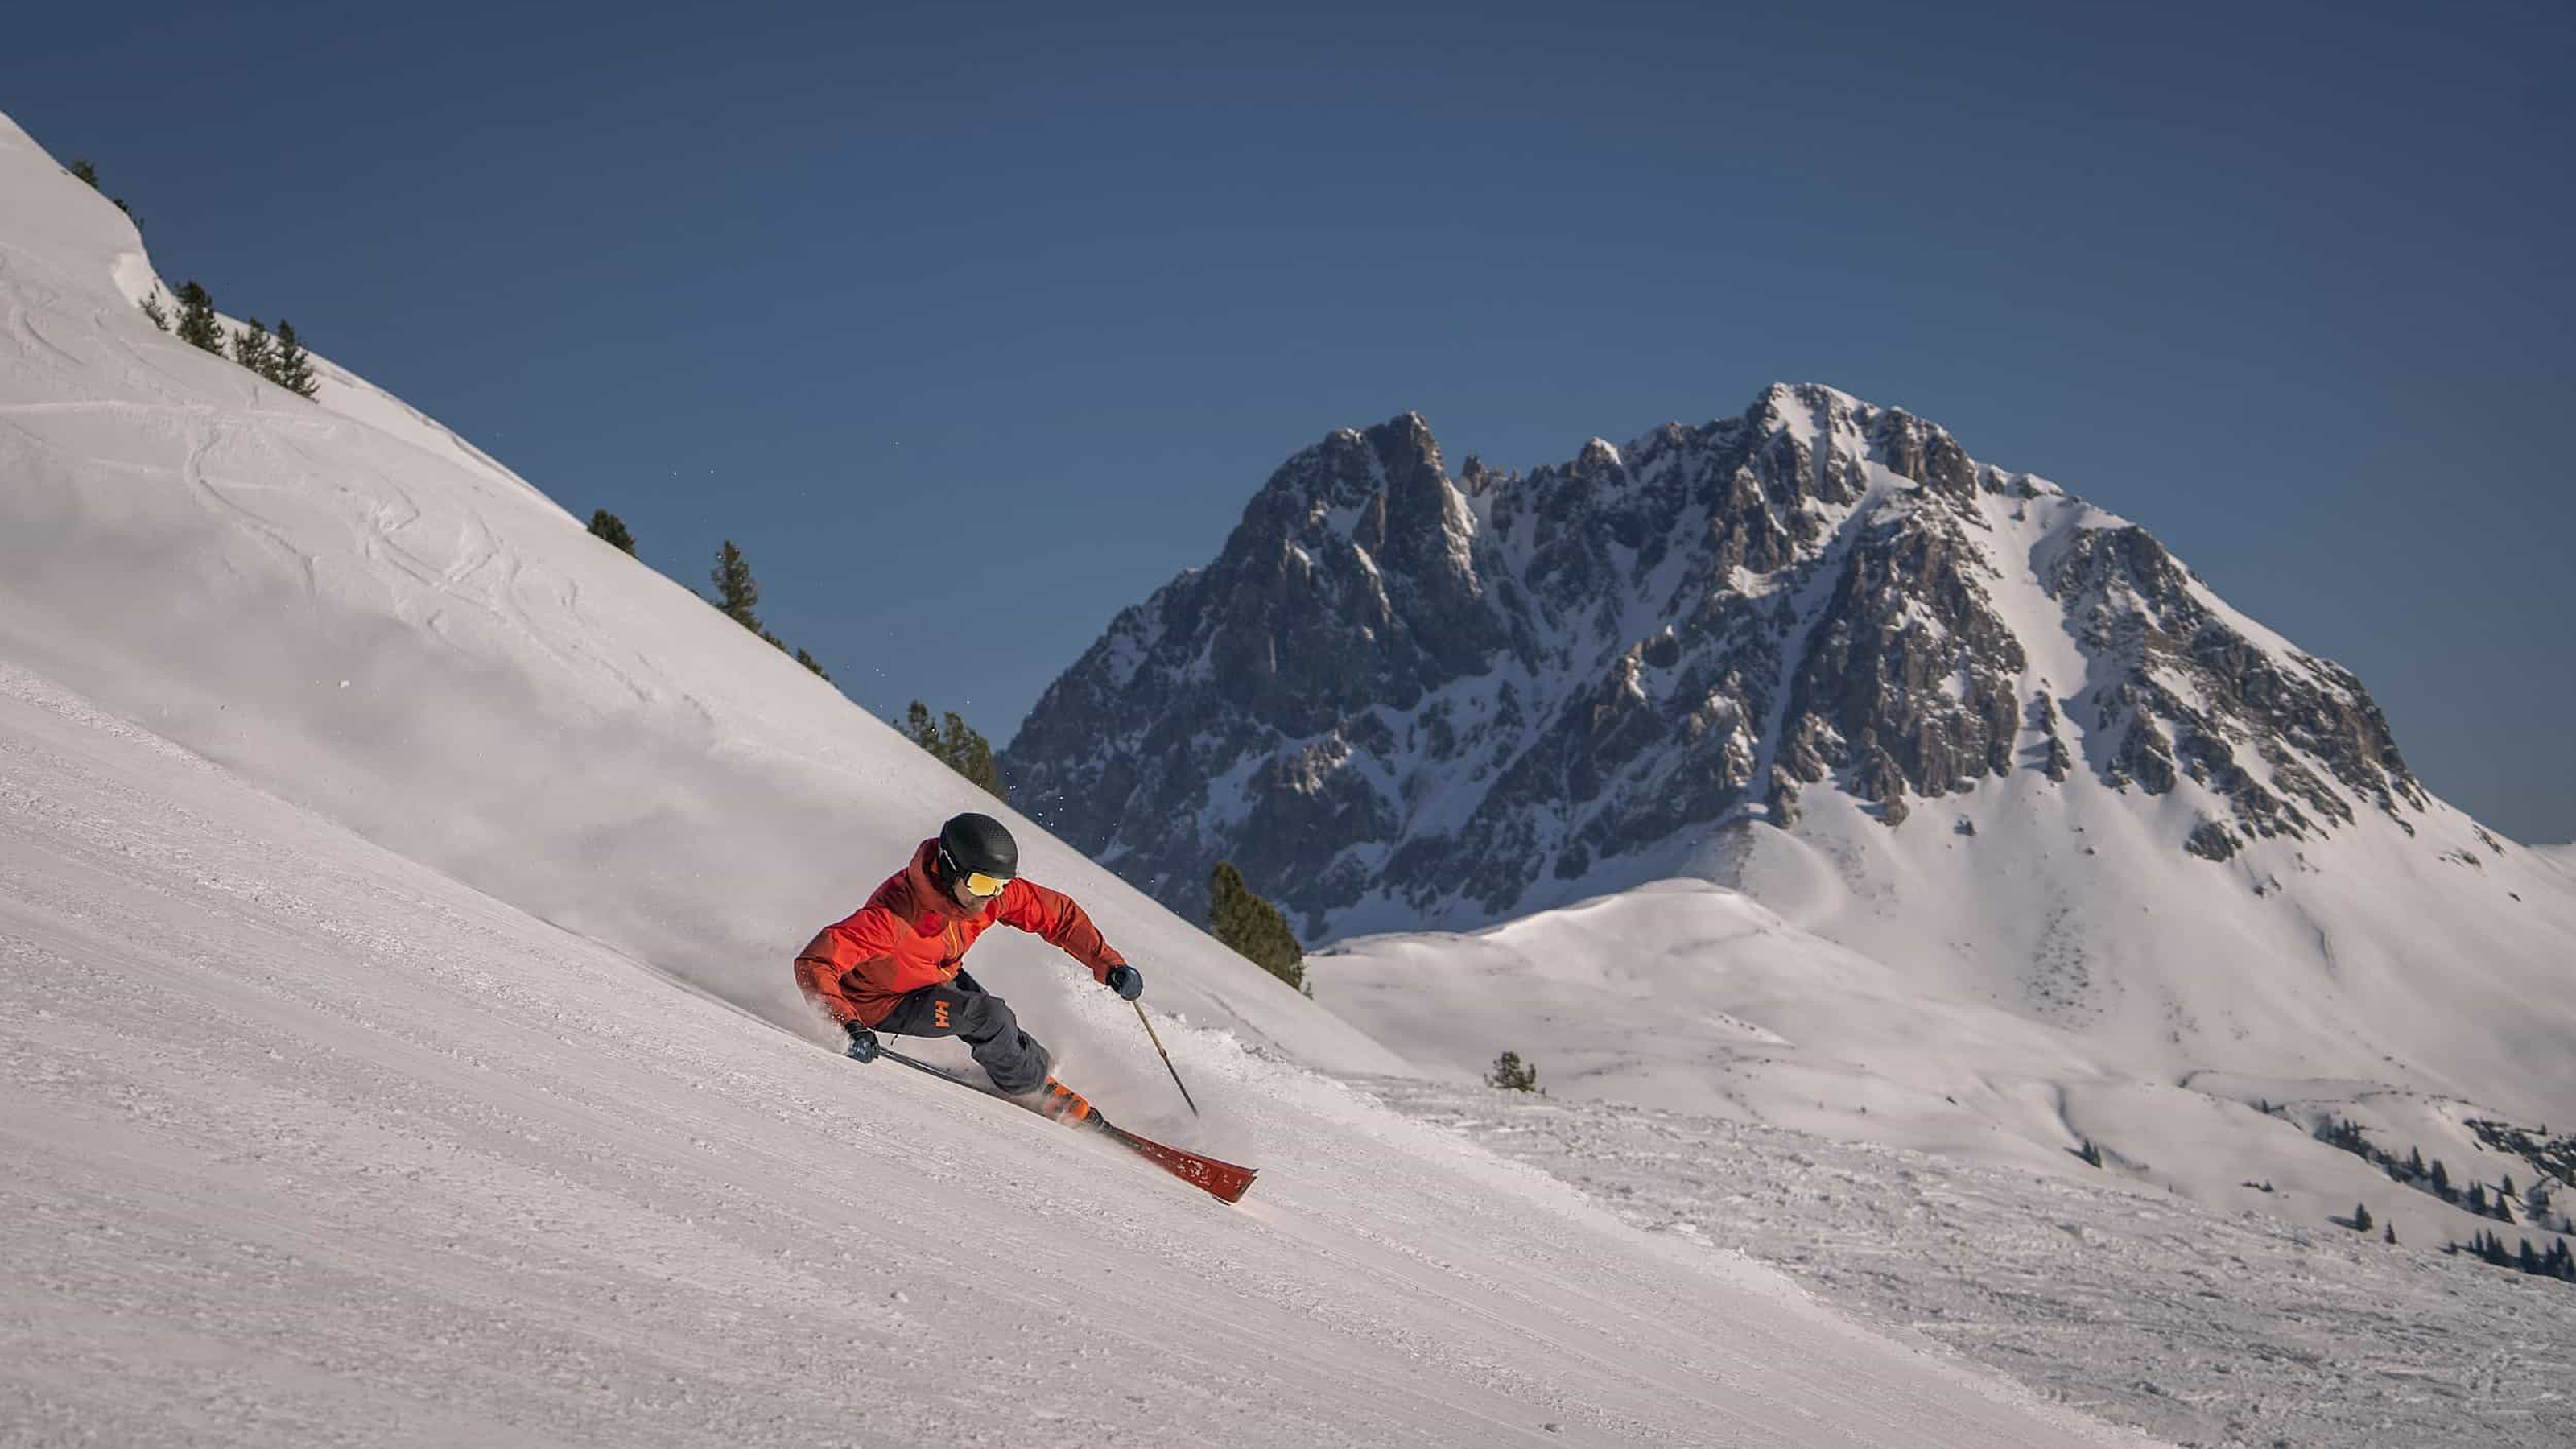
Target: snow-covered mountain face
<point>1395,698</point>
<point>1945,713</point>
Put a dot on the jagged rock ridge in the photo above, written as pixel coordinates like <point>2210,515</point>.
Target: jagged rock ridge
<point>1399,697</point>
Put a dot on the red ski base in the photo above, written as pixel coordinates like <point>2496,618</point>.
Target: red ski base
<point>1223,1181</point>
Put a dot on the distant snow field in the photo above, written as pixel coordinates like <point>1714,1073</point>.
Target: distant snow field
<point>2200,1327</point>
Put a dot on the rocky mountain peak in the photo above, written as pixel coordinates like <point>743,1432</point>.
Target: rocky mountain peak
<point>1402,698</point>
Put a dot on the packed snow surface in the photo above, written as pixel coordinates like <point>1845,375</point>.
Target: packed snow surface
<point>1689,997</point>
<point>396,889</point>
<point>2202,1327</point>
<point>308,1143</point>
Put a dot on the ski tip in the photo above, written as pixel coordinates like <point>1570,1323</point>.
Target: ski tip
<point>1224,1181</point>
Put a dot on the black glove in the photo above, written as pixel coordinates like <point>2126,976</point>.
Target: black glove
<point>1127,981</point>
<point>863,1043</point>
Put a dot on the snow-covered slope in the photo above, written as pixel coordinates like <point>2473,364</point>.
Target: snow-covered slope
<point>363,825</point>
<point>1690,997</point>
<point>302,1142</point>
<point>364,613</point>
<point>2199,1326</point>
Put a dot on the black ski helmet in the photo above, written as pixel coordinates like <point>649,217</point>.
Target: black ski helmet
<point>970,843</point>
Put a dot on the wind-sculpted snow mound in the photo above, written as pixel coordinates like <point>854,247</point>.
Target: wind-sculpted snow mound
<point>1690,997</point>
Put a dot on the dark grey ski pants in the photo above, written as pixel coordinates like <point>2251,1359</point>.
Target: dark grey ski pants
<point>965,1010</point>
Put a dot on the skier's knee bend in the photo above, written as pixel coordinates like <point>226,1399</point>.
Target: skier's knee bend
<point>1023,1068</point>
<point>1011,1057</point>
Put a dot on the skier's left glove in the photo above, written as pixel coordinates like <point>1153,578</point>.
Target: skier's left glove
<point>1127,981</point>
<point>863,1043</point>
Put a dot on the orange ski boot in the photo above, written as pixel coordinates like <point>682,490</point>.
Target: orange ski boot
<point>1061,1102</point>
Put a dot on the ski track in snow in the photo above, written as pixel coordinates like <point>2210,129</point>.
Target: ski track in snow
<point>2140,1307</point>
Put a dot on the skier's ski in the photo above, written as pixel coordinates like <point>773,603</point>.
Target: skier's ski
<point>1223,1181</point>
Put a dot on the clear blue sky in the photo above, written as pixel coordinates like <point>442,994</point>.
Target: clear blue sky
<point>974,323</point>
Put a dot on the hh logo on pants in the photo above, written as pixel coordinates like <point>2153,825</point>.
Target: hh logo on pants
<point>939,1013</point>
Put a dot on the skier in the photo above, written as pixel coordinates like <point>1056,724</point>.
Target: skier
<point>894,964</point>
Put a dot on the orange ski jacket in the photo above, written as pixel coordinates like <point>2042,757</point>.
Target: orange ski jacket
<point>912,934</point>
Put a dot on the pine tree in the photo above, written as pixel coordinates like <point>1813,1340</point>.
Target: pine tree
<point>294,366</point>
<point>2414,1162</point>
<point>2507,1186</point>
<point>2091,1154</point>
<point>809,662</point>
<point>2392,1234</point>
<point>959,746</point>
<point>971,755</point>
<point>255,349</point>
<point>81,168</point>
<point>151,305</point>
<point>2527,1260</point>
<point>2478,1198</point>
<point>609,527</point>
<point>2441,1181</point>
<point>197,324</point>
<point>736,592</point>
<point>2361,1218</point>
<point>1511,1074</point>
<point>1252,927</point>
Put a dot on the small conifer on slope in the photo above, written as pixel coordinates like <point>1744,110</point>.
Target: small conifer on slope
<point>959,746</point>
<point>611,530</point>
<point>197,324</point>
<point>1253,927</point>
<point>290,366</point>
<point>255,349</point>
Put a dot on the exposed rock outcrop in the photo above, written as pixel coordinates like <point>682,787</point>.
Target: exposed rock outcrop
<point>1452,697</point>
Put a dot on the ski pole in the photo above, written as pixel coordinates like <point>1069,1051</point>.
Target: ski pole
<point>1167,1056</point>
